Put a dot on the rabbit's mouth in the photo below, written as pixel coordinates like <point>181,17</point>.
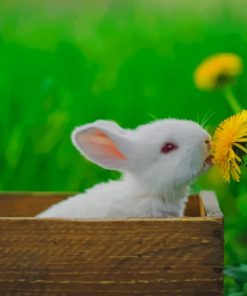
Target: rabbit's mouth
<point>208,162</point>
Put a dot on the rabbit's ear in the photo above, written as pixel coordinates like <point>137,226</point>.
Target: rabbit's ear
<point>103,143</point>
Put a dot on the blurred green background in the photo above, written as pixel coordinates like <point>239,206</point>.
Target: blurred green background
<point>65,63</point>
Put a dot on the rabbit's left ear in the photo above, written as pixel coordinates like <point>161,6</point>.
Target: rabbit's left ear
<point>103,143</point>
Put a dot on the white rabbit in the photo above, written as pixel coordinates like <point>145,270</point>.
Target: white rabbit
<point>158,161</point>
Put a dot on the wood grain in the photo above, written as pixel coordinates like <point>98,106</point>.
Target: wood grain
<point>29,204</point>
<point>195,207</point>
<point>211,204</point>
<point>141,257</point>
<point>131,257</point>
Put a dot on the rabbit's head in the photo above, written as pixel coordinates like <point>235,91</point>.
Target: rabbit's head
<point>167,153</point>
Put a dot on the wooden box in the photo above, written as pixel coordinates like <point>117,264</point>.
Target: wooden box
<point>141,257</point>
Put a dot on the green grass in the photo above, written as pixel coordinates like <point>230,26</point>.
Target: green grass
<point>65,64</point>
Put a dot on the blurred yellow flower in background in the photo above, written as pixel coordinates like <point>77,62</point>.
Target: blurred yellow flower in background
<point>218,71</point>
<point>229,145</point>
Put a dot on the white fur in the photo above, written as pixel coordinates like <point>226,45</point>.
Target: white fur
<point>153,184</point>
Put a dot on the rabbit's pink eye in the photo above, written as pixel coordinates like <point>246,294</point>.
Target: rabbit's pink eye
<point>168,147</point>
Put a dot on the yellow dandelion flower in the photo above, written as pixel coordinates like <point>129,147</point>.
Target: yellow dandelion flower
<point>230,145</point>
<point>218,71</point>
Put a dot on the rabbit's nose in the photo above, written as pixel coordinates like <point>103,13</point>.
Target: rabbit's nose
<point>209,144</point>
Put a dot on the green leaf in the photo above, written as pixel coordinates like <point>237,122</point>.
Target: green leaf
<point>239,273</point>
<point>236,294</point>
<point>245,289</point>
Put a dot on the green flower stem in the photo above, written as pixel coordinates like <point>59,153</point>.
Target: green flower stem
<point>233,102</point>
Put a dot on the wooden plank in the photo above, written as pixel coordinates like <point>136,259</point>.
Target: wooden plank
<point>194,207</point>
<point>29,204</point>
<point>176,256</point>
<point>211,204</point>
